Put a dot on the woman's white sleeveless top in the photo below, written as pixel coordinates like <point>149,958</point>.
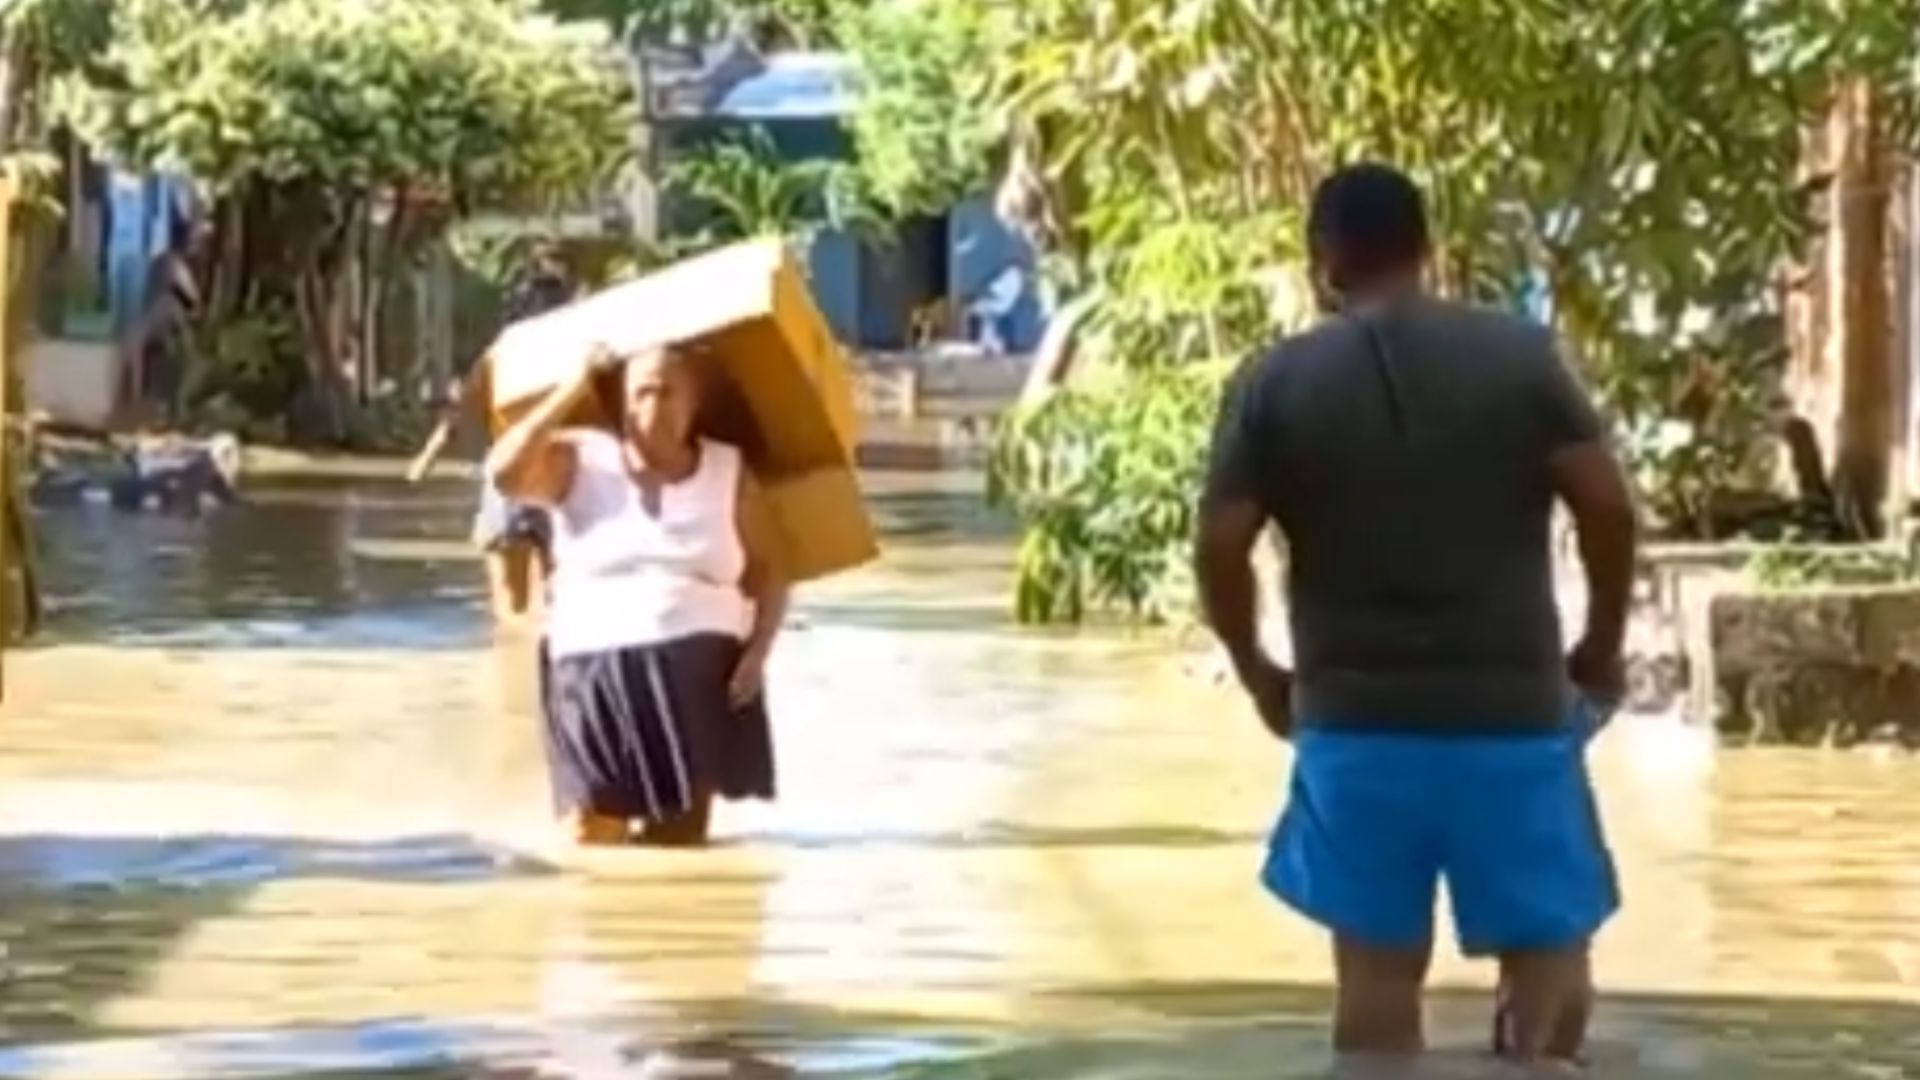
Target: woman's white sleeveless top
<point>624,577</point>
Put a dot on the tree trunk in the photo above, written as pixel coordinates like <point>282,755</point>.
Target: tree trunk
<point>228,263</point>
<point>362,278</point>
<point>322,301</point>
<point>323,295</point>
<point>19,121</point>
<point>1863,332</point>
<point>433,323</point>
<point>1905,240</point>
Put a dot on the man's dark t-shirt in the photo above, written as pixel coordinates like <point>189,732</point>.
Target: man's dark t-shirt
<point>1404,453</point>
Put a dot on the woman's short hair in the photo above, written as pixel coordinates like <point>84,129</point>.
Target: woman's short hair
<point>610,385</point>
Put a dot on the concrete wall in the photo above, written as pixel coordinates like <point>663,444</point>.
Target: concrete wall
<point>75,382</point>
<point>833,271</point>
<point>869,292</point>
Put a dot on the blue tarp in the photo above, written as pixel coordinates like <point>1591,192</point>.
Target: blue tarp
<point>793,86</point>
<point>141,213</point>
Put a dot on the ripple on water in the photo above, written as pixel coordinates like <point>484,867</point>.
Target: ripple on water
<point>270,841</point>
<point>53,862</point>
<point>560,1048</point>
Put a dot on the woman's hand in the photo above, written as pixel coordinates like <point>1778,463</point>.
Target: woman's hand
<point>749,680</point>
<point>600,357</point>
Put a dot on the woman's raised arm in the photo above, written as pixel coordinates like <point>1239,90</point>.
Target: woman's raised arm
<point>527,462</point>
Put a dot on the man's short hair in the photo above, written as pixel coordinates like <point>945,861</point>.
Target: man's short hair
<point>1373,215</point>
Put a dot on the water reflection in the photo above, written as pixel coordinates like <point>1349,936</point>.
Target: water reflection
<point>272,805</point>
<point>224,861</point>
<point>284,568</point>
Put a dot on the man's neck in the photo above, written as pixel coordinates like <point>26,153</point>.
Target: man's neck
<point>1383,292</point>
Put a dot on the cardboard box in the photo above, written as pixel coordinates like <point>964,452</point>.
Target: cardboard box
<point>788,401</point>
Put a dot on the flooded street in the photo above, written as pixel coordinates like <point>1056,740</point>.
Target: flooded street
<point>272,804</point>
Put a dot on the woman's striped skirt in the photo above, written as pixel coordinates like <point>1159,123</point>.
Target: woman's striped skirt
<point>647,731</point>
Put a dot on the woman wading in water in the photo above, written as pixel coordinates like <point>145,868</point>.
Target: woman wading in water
<point>665,600</point>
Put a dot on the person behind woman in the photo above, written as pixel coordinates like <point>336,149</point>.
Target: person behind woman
<point>513,538</point>
<point>664,602</point>
<point>161,341</point>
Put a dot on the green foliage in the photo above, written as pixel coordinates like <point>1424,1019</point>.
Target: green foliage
<point>1792,566</point>
<point>1182,289</point>
<point>1641,154</point>
<point>36,177</point>
<point>1103,479</point>
<point>495,256</point>
<point>471,100</point>
<point>1703,424</point>
<point>61,34</point>
<point>41,41</point>
<point>246,368</point>
<point>770,24</point>
<point>393,423</point>
<point>339,138</point>
<point>924,134</point>
<point>749,191</point>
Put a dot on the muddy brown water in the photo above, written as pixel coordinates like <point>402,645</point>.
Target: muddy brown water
<point>271,805</point>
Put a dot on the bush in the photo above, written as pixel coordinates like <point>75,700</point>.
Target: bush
<point>395,422</point>
<point>1799,566</point>
<point>1104,479</point>
<point>248,368</point>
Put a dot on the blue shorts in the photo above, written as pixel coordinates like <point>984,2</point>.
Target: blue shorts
<point>1375,821</point>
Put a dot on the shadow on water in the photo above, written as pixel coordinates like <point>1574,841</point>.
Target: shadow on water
<point>84,918</point>
<point>33,863</point>
<point>1248,1030</point>
<point>1228,1031</point>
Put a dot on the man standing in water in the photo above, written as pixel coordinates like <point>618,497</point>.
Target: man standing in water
<point>1410,450</point>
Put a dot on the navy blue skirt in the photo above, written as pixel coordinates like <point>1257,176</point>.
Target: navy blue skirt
<point>644,732</point>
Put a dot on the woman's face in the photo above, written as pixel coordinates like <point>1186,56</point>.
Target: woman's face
<point>662,397</point>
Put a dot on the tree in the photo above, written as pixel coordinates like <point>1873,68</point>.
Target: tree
<point>748,191</point>
<point>317,124</point>
<point>769,24</point>
<point>41,40</point>
<point>1639,155</point>
<point>923,135</point>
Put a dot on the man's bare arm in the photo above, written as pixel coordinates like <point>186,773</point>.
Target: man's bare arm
<point>1589,480</point>
<point>1229,589</point>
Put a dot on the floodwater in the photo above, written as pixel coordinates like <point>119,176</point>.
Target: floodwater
<point>271,805</point>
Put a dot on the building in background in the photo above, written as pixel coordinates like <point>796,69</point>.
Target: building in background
<point>958,274</point>
<point>96,275</point>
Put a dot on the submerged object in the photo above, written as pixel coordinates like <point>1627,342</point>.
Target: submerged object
<point>179,476</point>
